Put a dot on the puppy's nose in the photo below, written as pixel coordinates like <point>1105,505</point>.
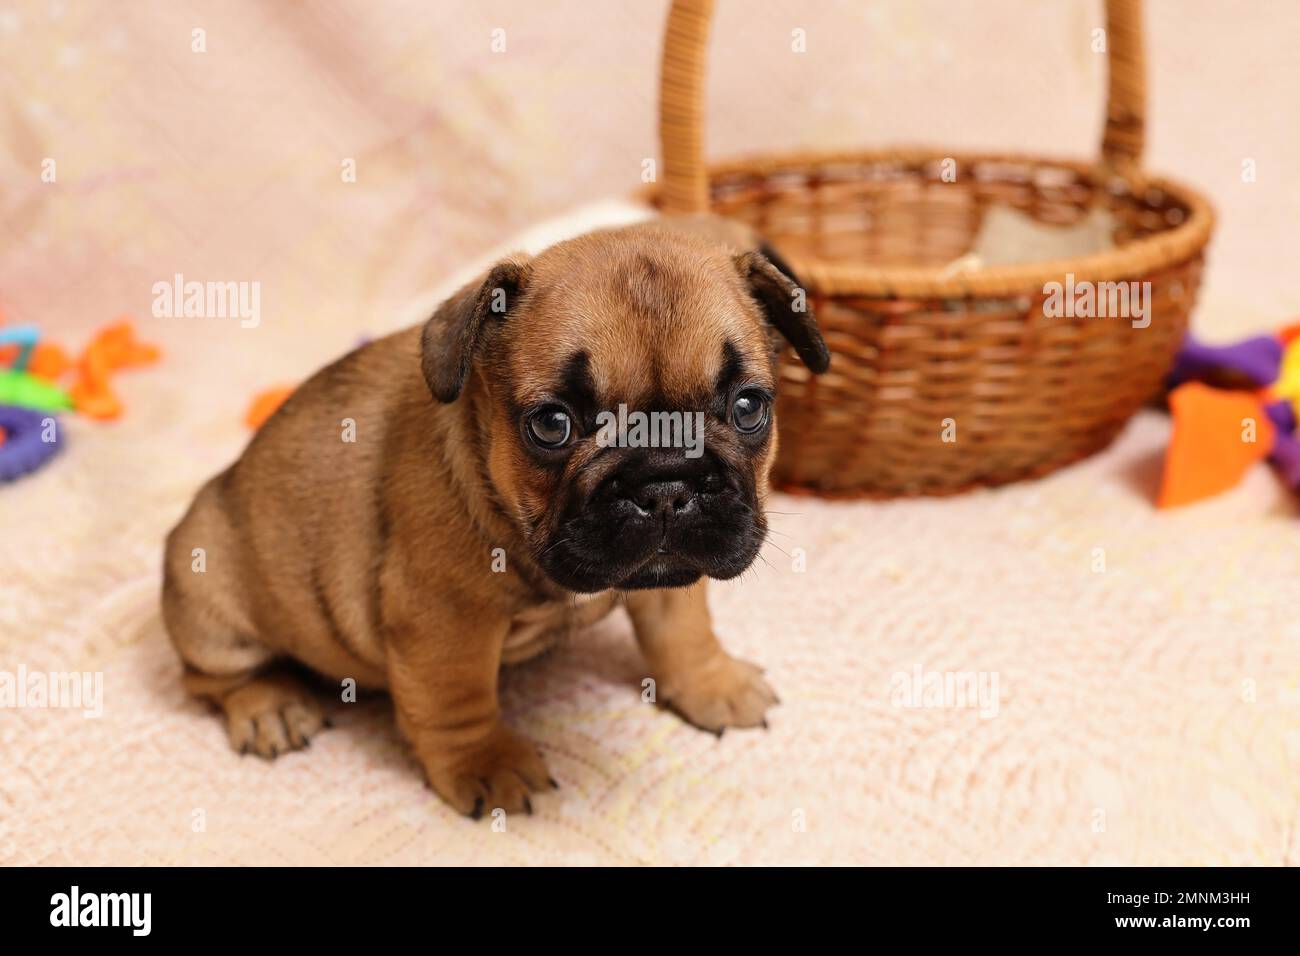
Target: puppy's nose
<point>660,498</point>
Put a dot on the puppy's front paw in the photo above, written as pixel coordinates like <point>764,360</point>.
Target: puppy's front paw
<point>727,693</point>
<point>499,771</point>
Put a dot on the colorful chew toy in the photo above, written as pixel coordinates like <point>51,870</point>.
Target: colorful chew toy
<point>23,441</point>
<point>29,389</point>
<point>29,383</point>
<point>35,367</point>
<point>114,348</point>
<point>26,390</point>
<point>1232,406</point>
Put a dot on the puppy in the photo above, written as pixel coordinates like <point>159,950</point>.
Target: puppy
<point>445,500</point>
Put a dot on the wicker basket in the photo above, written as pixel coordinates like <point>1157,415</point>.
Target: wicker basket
<point>923,354</point>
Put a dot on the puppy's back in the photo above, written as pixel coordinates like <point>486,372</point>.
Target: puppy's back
<point>291,530</point>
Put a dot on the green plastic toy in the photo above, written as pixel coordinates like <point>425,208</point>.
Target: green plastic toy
<point>28,391</point>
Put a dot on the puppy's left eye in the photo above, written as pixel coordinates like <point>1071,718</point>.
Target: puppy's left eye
<point>749,411</point>
<point>550,427</point>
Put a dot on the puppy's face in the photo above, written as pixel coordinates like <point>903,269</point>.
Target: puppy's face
<point>630,377</point>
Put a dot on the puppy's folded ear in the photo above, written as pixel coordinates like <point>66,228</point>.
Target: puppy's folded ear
<point>458,329</point>
<point>786,306</point>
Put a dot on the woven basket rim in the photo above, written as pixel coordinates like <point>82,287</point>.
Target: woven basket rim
<point>1144,256</point>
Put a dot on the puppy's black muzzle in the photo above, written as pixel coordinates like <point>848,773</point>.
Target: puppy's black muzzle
<point>662,485</point>
<point>659,520</point>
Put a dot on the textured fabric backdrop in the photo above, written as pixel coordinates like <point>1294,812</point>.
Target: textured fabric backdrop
<point>1148,712</point>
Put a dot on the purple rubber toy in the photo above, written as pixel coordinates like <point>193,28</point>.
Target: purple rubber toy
<point>24,449</point>
<point>1255,361</point>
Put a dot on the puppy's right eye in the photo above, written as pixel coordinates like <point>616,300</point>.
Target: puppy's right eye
<point>550,427</point>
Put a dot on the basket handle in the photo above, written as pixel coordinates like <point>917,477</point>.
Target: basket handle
<point>681,99</point>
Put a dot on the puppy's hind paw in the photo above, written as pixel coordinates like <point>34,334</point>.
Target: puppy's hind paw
<point>272,715</point>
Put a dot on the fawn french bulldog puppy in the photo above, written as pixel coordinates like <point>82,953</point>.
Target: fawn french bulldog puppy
<point>482,511</point>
